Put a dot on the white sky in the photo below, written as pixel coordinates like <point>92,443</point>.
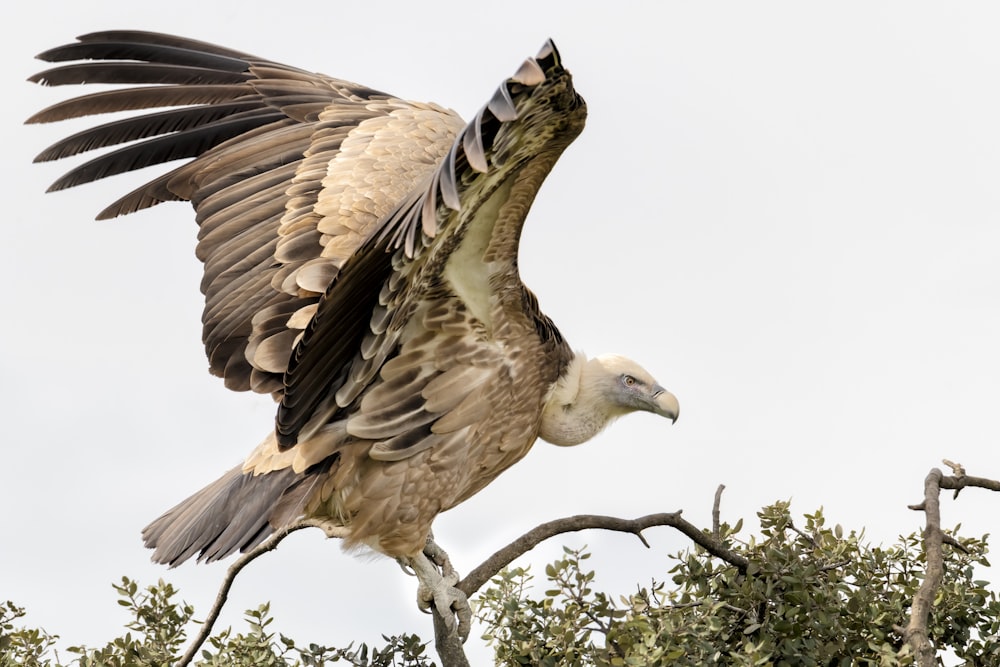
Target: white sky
<point>786,212</point>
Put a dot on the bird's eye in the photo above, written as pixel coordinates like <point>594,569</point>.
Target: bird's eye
<point>629,381</point>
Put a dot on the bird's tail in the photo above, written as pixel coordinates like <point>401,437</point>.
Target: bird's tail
<point>237,511</point>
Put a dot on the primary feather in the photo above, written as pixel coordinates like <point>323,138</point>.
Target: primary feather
<point>360,257</point>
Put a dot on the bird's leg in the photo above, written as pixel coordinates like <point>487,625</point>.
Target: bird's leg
<point>437,580</point>
<point>440,558</point>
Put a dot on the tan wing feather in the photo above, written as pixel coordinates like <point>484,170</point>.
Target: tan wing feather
<point>291,173</point>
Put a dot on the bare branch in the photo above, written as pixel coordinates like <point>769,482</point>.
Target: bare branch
<point>506,555</point>
<point>447,643</point>
<point>915,632</point>
<point>957,469</point>
<point>948,539</point>
<point>269,544</point>
<point>958,483</point>
<point>715,511</point>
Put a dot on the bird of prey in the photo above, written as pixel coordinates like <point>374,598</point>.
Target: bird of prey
<point>361,265</point>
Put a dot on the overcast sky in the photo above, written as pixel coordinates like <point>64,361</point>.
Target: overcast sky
<point>787,213</point>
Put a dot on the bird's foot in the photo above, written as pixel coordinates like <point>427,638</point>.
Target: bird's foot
<point>439,557</point>
<point>437,589</point>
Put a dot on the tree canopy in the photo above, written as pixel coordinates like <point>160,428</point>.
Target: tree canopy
<point>798,592</point>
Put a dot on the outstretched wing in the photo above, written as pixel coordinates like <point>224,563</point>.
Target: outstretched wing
<point>450,328</point>
<point>289,172</point>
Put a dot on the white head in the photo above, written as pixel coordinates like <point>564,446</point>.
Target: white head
<point>595,392</point>
<point>626,387</point>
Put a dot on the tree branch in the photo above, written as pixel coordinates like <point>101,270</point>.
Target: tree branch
<point>960,482</point>
<point>447,643</point>
<point>811,539</point>
<point>716,523</point>
<point>269,544</point>
<point>915,633</point>
<point>506,555</point>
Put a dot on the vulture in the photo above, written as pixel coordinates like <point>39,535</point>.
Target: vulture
<point>361,266</point>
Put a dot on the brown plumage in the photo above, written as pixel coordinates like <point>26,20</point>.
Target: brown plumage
<point>360,258</point>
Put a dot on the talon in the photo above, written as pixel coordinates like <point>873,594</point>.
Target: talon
<point>425,598</point>
<point>439,557</point>
<point>438,590</point>
<point>406,567</point>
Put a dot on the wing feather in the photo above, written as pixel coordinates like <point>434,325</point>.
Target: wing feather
<point>262,140</point>
<point>447,390</point>
<point>327,211</point>
<point>130,129</point>
<point>427,370</point>
<point>134,73</point>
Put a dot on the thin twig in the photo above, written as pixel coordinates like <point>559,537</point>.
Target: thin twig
<point>811,539</point>
<point>957,469</point>
<point>949,540</point>
<point>269,544</point>
<point>587,609</point>
<point>836,565</point>
<point>711,603</point>
<point>716,523</point>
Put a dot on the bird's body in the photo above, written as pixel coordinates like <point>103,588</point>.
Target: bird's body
<point>361,265</point>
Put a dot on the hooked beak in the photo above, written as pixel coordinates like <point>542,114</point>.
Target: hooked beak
<point>665,404</point>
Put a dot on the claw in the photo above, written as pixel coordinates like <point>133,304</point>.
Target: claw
<point>439,557</point>
<point>406,567</point>
<point>437,589</point>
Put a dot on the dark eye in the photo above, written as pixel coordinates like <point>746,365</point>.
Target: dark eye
<point>628,380</point>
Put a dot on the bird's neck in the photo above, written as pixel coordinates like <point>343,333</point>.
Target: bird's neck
<point>574,412</point>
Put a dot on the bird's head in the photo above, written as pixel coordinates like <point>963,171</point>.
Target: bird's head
<point>625,387</point>
<point>595,392</point>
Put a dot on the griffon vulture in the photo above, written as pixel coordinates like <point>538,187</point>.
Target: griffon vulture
<point>360,257</point>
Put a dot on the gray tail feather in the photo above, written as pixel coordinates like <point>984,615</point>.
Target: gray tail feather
<point>234,512</point>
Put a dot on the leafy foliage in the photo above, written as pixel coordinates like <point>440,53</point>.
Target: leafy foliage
<point>156,633</point>
<point>810,596</point>
<point>156,637</point>
<point>22,646</point>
